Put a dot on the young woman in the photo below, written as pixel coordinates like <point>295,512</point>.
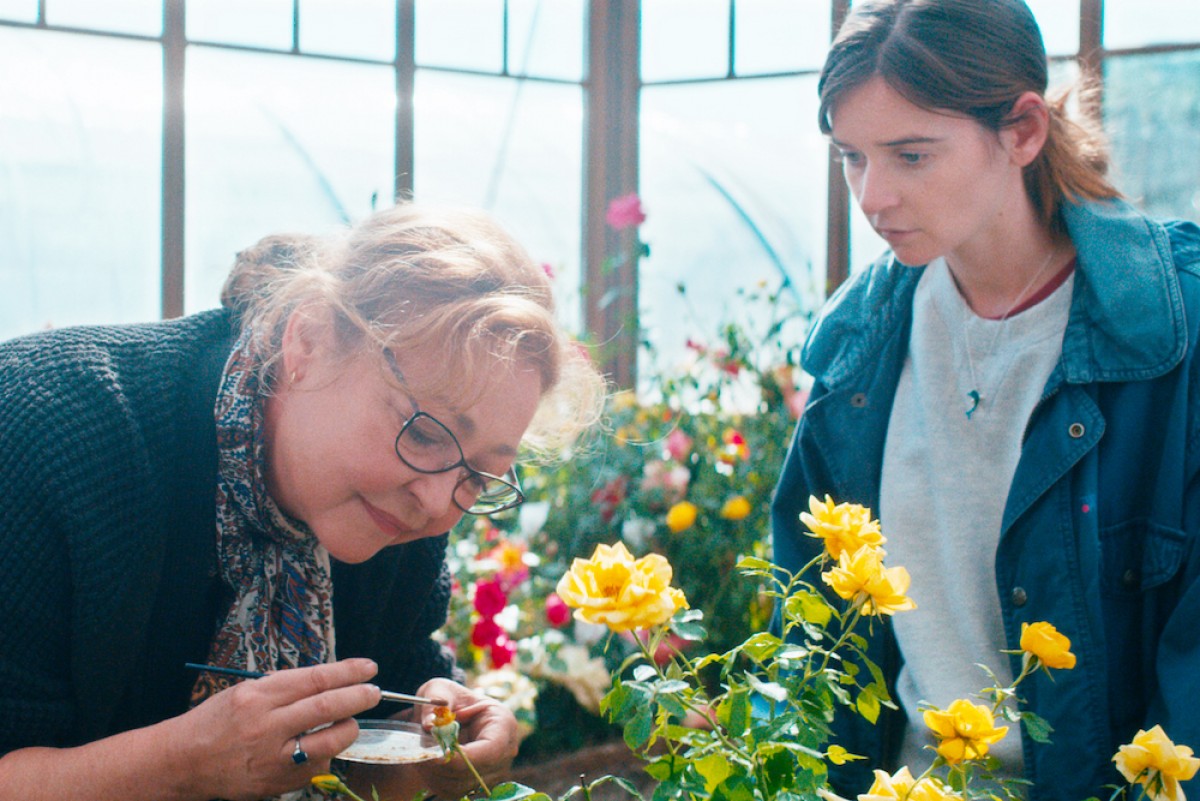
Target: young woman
<point>266,487</point>
<point>1014,388</point>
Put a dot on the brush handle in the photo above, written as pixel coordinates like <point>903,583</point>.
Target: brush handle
<point>387,695</point>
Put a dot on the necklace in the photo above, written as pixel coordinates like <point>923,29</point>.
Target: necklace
<point>974,395</point>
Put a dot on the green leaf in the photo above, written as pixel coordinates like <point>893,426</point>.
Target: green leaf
<point>808,606</point>
<point>754,564</point>
<point>512,791</point>
<point>772,690</point>
<point>1036,727</point>
<point>671,687</point>
<point>734,712</point>
<point>644,673</point>
<point>639,727</point>
<point>689,630</point>
<point>761,646</point>
<point>662,768</point>
<point>840,756</point>
<point>714,768</point>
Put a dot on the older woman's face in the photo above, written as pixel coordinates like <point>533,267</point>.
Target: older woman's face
<point>331,435</point>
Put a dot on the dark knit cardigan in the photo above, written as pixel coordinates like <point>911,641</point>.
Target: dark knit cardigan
<point>107,533</point>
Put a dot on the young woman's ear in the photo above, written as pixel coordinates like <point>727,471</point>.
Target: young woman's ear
<point>1029,124</point>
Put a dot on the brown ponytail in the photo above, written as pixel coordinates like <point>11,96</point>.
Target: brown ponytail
<point>1072,165</point>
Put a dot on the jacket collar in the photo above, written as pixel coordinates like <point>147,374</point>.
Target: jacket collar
<point>1126,320</point>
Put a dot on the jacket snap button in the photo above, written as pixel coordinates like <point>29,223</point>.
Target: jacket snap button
<point>1019,596</point>
<point>1076,430</point>
<point>858,400</point>
<point>1130,579</point>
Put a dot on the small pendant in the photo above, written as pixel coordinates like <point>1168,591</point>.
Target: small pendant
<point>975,399</point>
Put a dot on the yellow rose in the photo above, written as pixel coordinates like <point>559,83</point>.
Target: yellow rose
<point>681,516</point>
<point>619,591</point>
<point>736,508</point>
<point>1044,642</point>
<point>900,787</point>
<point>964,730</point>
<point>844,526</point>
<point>862,576</point>
<point>1157,764</point>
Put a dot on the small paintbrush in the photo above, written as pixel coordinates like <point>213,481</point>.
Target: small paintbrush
<point>387,695</point>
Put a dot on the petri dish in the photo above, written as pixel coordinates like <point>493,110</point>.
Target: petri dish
<point>391,742</point>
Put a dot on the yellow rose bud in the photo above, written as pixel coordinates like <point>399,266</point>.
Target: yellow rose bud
<point>1157,764</point>
<point>1044,642</point>
<point>964,730</point>
<point>619,591</point>
<point>845,527</point>
<point>736,508</point>
<point>902,787</point>
<point>681,516</point>
<point>327,782</point>
<point>861,577</point>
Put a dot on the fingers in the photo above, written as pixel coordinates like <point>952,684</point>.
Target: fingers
<point>312,697</point>
<point>311,753</point>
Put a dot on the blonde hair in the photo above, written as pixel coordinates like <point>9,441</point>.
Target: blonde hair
<point>449,283</point>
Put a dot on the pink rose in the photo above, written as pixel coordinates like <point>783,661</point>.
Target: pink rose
<point>625,212</point>
<point>679,445</point>
<point>557,611</point>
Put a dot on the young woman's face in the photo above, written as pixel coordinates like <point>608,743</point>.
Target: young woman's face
<point>929,183</point>
<point>331,447</point>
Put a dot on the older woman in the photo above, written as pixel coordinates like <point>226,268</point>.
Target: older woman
<point>239,486</point>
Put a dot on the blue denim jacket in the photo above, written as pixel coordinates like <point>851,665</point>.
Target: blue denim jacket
<point>1100,527</point>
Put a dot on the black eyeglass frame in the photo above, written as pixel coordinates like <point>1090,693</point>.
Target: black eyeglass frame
<point>509,479</point>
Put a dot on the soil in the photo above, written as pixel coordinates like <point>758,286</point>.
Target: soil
<point>557,775</point>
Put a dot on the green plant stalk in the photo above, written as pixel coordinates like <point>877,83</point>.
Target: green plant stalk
<point>714,725</point>
<point>471,766</point>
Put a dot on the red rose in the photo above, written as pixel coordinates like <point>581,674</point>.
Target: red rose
<point>503,651</point>
<point>490,598</point>
<point>485,633</point>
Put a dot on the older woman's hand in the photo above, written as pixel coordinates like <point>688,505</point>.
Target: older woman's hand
<point>255,739</point>
<point>488,735</point>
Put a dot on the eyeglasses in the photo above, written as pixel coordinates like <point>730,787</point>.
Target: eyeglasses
<point>427,446</point>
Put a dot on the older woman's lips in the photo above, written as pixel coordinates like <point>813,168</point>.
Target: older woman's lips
<point>389,525</point>
<point>895,236</point>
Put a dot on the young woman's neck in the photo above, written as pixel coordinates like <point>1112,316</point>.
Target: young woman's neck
<point>998,270</point>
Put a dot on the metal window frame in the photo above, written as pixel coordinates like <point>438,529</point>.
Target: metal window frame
<point>612,87</point>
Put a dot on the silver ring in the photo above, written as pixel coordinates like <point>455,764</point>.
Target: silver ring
<point>299,756</point>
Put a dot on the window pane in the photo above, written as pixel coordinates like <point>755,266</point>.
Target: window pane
<point>80,152</point>
<point>1059,22</point>
<point>467,34</point>
<point>258,23</point>
<point>781,35</point>
<point>514,148</point>
<point>733,181</point>
<point>19,10</point>
<point>362,29</point>
<point>545,39</point>
<point>1152,114</point>
<point>126,16</point>
<point>278,144</point>
<point>1134,23</point>
<point>684,39</point>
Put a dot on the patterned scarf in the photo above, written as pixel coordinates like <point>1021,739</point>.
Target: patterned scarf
<point>282,612</point>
